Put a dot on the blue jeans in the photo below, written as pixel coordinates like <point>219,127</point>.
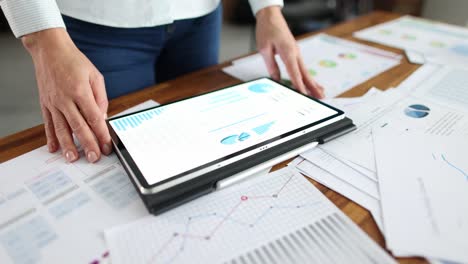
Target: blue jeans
<point>135,58</point>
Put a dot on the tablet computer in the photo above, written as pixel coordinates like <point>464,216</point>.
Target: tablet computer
<point>180,150</point>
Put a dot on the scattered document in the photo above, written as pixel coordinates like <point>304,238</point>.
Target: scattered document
<point>52,211</point>
<point>445,85</point>
<point>348,104</point>
<point>435,42</point>
<point>397,110</point>
<point>423,183</point>
<point>343,176</point>
<point>348,174</point>
<point>418,77</point>
<point>415,57</point>
<point>335,63</point>
<point>274,218</point>
<point>316,173</point>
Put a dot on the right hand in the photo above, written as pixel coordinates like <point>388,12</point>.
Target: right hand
<point>72,95</point>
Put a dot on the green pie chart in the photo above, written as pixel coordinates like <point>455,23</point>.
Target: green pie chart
<point>408,37</point>
<point>327,63</point>
<point>385,31</point>
<point>437,44</point>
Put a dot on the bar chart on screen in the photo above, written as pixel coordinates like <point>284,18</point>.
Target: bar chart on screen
<point>136,120</point>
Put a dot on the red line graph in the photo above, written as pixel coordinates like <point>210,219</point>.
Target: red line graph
<point>164,246</point>
<point>224,219</point>
<point>213,231</point>
<point>282,187</point>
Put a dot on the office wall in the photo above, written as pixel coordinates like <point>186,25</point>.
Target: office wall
<point>450,11</point>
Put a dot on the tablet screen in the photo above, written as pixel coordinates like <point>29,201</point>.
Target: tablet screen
<point>172,139</point>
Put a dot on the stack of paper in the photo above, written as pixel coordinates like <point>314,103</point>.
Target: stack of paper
<point>335,63</point>
<point>418,135</point>
<point>429,40</point>
<point>343,176</point>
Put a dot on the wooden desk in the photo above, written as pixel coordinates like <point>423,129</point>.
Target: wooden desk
<point>213,78</point>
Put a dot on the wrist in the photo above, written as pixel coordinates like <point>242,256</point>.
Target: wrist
<point>268,12</point>
<point>49,38</point>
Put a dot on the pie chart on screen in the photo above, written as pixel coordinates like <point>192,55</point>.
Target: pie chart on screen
<point>260,87</point>
<point>229,140</point>
<point>417,111</point>
<point>233,139</point>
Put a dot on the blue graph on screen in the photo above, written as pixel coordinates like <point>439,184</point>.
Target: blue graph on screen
<point>260,87</point>
<point>233,139</point>
<point>133,121</point>
<point>260,130</point>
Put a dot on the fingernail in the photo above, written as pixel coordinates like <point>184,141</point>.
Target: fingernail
<point>70,156</point>
<point>106,149</point>
<point>92,156</point>
<point>52,147</point>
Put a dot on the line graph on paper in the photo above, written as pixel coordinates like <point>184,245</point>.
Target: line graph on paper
<point>243,201</point>
<point>228,223</point>
<point>451,165</point>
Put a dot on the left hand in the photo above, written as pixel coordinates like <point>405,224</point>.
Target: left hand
<point>274,37</point>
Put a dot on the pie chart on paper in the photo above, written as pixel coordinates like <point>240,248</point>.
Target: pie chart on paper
<point>347,56</point>
<point>461,50</point>
<point>327,63</point>
<point>417,111</point>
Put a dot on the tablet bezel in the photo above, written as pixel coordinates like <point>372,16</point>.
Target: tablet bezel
<point>135,171</point>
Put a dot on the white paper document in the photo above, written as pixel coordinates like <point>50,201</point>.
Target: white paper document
<point>399,111</point>
<point>445,85</point>
<point>436,42</point>
<point>275,218</point>
<point>360,197</point>
<point>424,192</point>
<point>418,77</point>
<point>52,211</point>
<point>348,104</point>
<point>415,57</point>
<point>341,175</point>
<point>335,63</point>
<point>329,163</point>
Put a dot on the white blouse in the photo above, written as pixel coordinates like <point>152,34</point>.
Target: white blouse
<point>28,16</point>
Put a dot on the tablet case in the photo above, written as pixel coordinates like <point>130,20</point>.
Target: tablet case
<point>169,198</point>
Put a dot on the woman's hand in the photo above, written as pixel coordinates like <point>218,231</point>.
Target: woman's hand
<point>72,95</point>
<point>274,37</point>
